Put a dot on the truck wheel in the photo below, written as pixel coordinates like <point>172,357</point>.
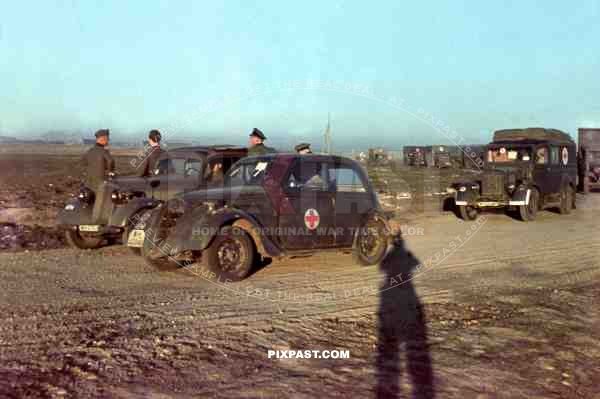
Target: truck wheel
<point>467,212</point>
<point>155,258</point>
<point>528,212</point>
<point>371,243</point>
<point>231,254</point>
<point>566,200</point>
<point>76,240</point>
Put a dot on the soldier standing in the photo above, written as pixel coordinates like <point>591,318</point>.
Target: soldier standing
<point>98,163</point>
<point>149,163</point>
<point>256,143</point>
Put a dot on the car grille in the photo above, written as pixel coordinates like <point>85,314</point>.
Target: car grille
<point>492,185</point>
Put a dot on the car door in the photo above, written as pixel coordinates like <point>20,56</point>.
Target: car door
<point>352,201</point>
<point>310,223</point>
<point>542,170</point>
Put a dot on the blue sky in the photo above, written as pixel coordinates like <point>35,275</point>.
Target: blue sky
<point>476,66</point>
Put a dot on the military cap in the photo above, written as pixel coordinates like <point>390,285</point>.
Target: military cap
<point>302,146</point>
<point>101,132</point>
<point>256,132</point>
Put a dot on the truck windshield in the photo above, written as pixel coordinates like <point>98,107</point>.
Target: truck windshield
<point>508,154</point>
<point>247,173</point>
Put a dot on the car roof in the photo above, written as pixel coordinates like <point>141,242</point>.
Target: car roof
<point>293,155</point>
<point>530,142</point>
<point>209,148</point>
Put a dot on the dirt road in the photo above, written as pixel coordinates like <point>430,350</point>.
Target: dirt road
<point>509,310</point>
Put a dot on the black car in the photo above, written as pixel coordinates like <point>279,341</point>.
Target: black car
<point>126,198</point>
<point>271,206</point>
<point>525,170</point>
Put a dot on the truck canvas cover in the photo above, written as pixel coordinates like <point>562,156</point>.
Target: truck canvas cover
<point>532,133</point>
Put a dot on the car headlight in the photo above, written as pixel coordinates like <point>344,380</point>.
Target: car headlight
<point>86,195</point>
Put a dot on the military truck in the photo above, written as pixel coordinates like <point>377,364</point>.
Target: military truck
<point>589,159</point>
<point>415,156</point>
<point>126,198</point>
<point>378,157</point>
<point>525,170</point>
<point>273,205</point>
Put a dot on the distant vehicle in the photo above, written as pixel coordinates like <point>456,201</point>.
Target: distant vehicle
<point>437,156</point>
<point>378,157</point>
<point>525,169</point>
<point>589,159</point>
<point>415,156</point>
<point>271,205</point>
<point>127,198</point>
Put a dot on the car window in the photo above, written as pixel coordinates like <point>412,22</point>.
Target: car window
<point>178,166</point>
<point>306,174</point>
<point>541,156</point>
<point>247,173</point>
<point>192,167</point>
<point>345,179</point>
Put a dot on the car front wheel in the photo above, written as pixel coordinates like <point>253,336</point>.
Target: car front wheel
<point>467,212</point>
<point>371,243</point>
<point>77,240</point>
<point>231,254</point>
<point>528,212</point>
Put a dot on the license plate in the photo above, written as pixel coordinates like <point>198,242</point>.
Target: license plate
<point>136,238</point>
<point>89,227</point>
<point>488,203</point>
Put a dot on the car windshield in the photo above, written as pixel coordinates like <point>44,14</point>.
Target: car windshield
<point>247,173</point>
<point>508,154</point>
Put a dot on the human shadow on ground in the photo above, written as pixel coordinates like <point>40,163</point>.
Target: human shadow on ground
<point>402,328</point>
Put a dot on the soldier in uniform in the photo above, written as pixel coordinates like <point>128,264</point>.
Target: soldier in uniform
<point>98,163</point>
<point>303,148</point>
<point>256,143</point>
<point>149,162</point>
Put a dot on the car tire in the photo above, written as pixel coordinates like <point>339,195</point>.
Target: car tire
<point>467,213</point>
<point>363,251</point>
<point>566,200</point>
<point>231,254</point>
<point>527,213</point>
<point>148,251</point>
<point>76,240</point>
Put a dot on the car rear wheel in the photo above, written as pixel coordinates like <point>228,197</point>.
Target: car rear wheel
<point>528,212</point>
<point>566,200</point>
<point>467,212</point>
<point>371,243</point>
<point>77,240</point>
<point>231,254</point>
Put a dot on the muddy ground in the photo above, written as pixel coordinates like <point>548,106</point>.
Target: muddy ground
<point>495,308</point>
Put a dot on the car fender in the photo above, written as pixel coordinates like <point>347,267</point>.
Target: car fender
<point>198,231</point>
<point>122,214</point>
<point>74,213</point>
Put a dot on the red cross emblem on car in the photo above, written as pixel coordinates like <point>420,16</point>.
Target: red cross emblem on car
<point>311,218</point>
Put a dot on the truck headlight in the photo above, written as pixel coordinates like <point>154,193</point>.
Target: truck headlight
<point>462,189</point>
<point>475,186</point>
